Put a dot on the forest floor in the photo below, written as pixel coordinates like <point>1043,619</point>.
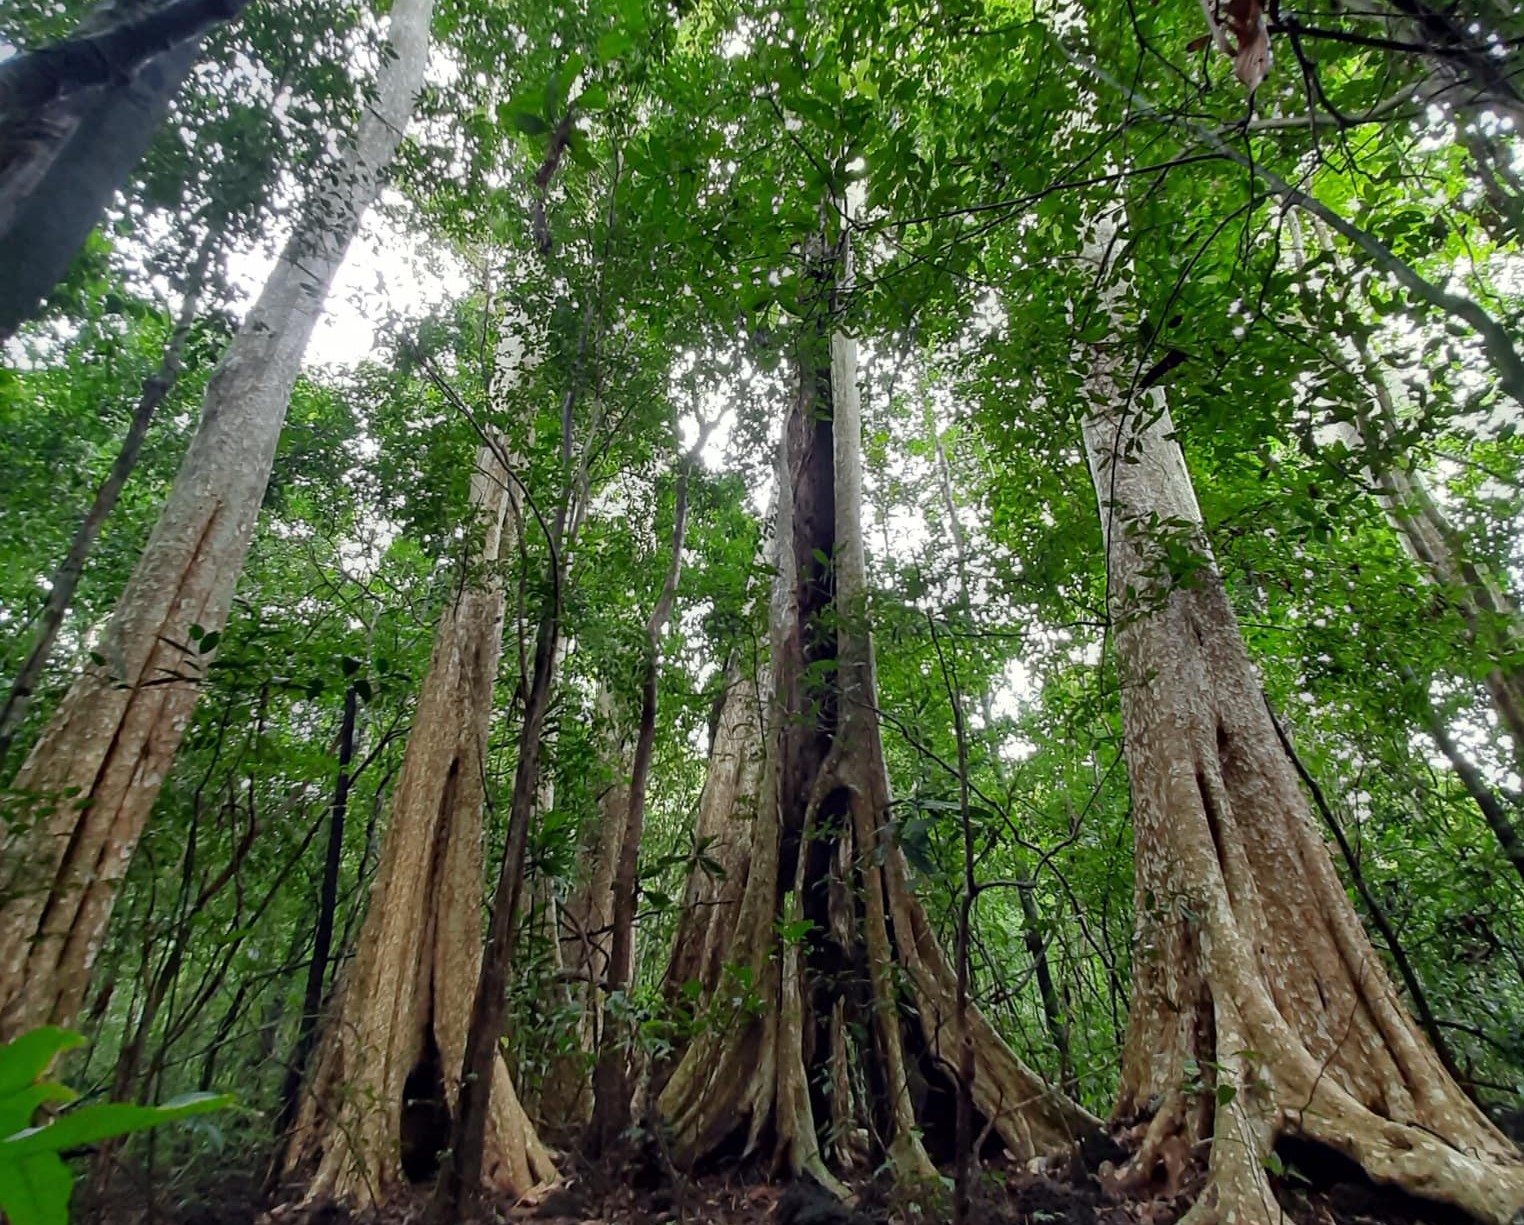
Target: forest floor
<point>634,1193</point>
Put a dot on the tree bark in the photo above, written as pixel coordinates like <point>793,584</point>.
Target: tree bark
<point>727,809</point>
<point>63,161</point>
<point>1492,620</point>
<point>91,779</point>
<point>35,79</point>
<point>830,944</point>
<point>611,1078</point>
<point>66,578</point>
<point>378,1105</point>
<point>584,923</point>
<point>1260,1009</point>
<point>481,1092</point>
<point>322,935</point>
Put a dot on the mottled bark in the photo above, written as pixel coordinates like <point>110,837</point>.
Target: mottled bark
<point>63,159</point>
<point>829,943</point>
<point>583,927</point>
<point>388,1071</point>
<point>66,578</point>
<point>34,79</point>
<point>79,802</point>
<point>727,809</point>
<point>1260,1008</point>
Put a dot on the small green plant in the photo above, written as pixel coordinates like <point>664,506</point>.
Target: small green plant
<point>35,1182</point>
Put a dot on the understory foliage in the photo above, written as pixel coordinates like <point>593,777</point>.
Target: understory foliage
<point>767,396</point>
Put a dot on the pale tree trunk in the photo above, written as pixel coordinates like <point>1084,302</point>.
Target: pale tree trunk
<point>378,1106</point>
<point>830,1032</point>
<point>1492,620</point>
<point>66,578</point>
<point>727,809</point>
<point>584,922</point>
<point>1260,1008</point>
<point>92,777</point>
<point>1491,617</point>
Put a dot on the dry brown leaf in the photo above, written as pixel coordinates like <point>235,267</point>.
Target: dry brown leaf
<point>1239,30</point>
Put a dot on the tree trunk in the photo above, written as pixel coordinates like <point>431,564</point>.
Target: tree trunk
<point>33,79</point>
<point>63,159</point>
<point>830,944</point>
<point>1260,1009</point>
<point>727,810</point>
<point>378,1106</point>
<point>72,568</point>
<point>94,774</point>
<point>322,935</point>
<point>461,1177</point>
<point>481,1091</point>
<point>612,1091</point>
<point>584,922</point>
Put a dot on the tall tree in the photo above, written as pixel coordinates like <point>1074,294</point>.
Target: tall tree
<point>379,1103</point>
<point>1259,1008</point>
<point>612,1091</point>
<point>828,932</point>
<point>82,796</point>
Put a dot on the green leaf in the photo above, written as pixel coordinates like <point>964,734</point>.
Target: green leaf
<point>105,1120</point>
<point>24,1059</point>
<point>209,642</point>
<point>613,45</point>
<point>36,1190</point>
<point>529,123</point>
<point>594,98</point>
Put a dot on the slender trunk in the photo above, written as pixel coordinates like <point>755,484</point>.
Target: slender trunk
<point>611,1079</point>
<point>322,936</point>
<point>1373,908</point>
<point>1486,800</point>
<point>66,578</point>
<point>461,1177</point>
<point>1492,621</point>
<point>965,1159</point>
<point>583,926</point>
<point>1260,1009</point>
<point>96,770</point>
<point>1032,927</point>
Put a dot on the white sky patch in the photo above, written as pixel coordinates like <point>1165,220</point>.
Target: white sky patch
<point>391,272</point>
